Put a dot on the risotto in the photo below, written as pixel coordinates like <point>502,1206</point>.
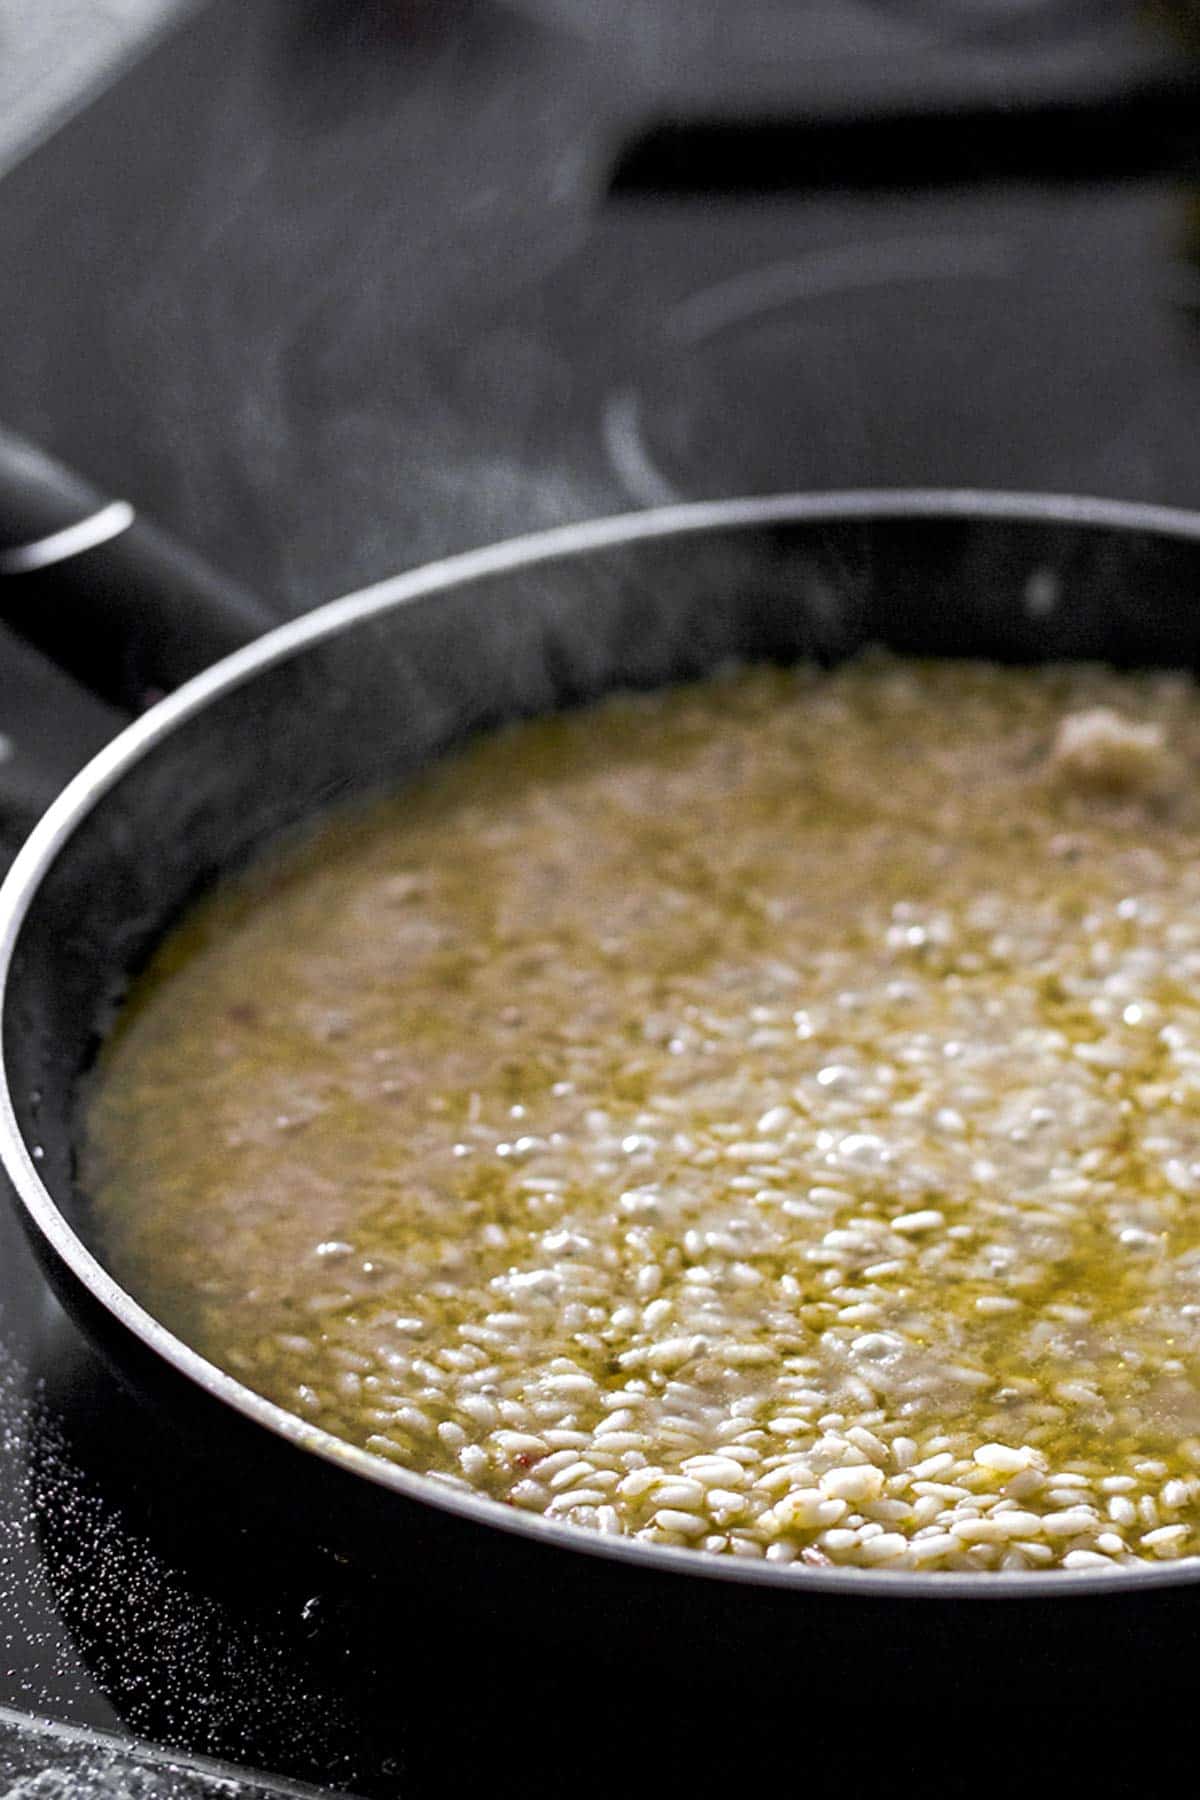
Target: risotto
<point>762,1116</point>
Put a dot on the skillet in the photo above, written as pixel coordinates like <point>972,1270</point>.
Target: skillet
<point>360,693</point>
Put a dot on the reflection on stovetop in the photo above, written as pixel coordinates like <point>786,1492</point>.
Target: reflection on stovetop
<point>199,1630</point>
<point>133,1593</point>
<point>1007,342</point>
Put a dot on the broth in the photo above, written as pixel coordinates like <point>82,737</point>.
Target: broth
<point>762,1116</point>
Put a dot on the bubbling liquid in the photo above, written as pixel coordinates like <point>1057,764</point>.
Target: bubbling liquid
<point>761,1116</point>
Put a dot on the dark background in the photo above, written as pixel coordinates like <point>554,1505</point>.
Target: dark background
<point>332,287</point>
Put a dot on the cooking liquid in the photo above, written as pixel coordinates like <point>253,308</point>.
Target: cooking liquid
<point>762,1116</point>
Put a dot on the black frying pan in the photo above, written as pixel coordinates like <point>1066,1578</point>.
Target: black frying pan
<point>357,695</point>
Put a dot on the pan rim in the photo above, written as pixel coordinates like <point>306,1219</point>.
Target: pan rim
<point>67,812</point>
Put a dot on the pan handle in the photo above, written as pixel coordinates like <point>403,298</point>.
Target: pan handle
<point>102,592</point>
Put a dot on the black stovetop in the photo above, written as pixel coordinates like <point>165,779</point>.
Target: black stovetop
<point>333,287</point>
